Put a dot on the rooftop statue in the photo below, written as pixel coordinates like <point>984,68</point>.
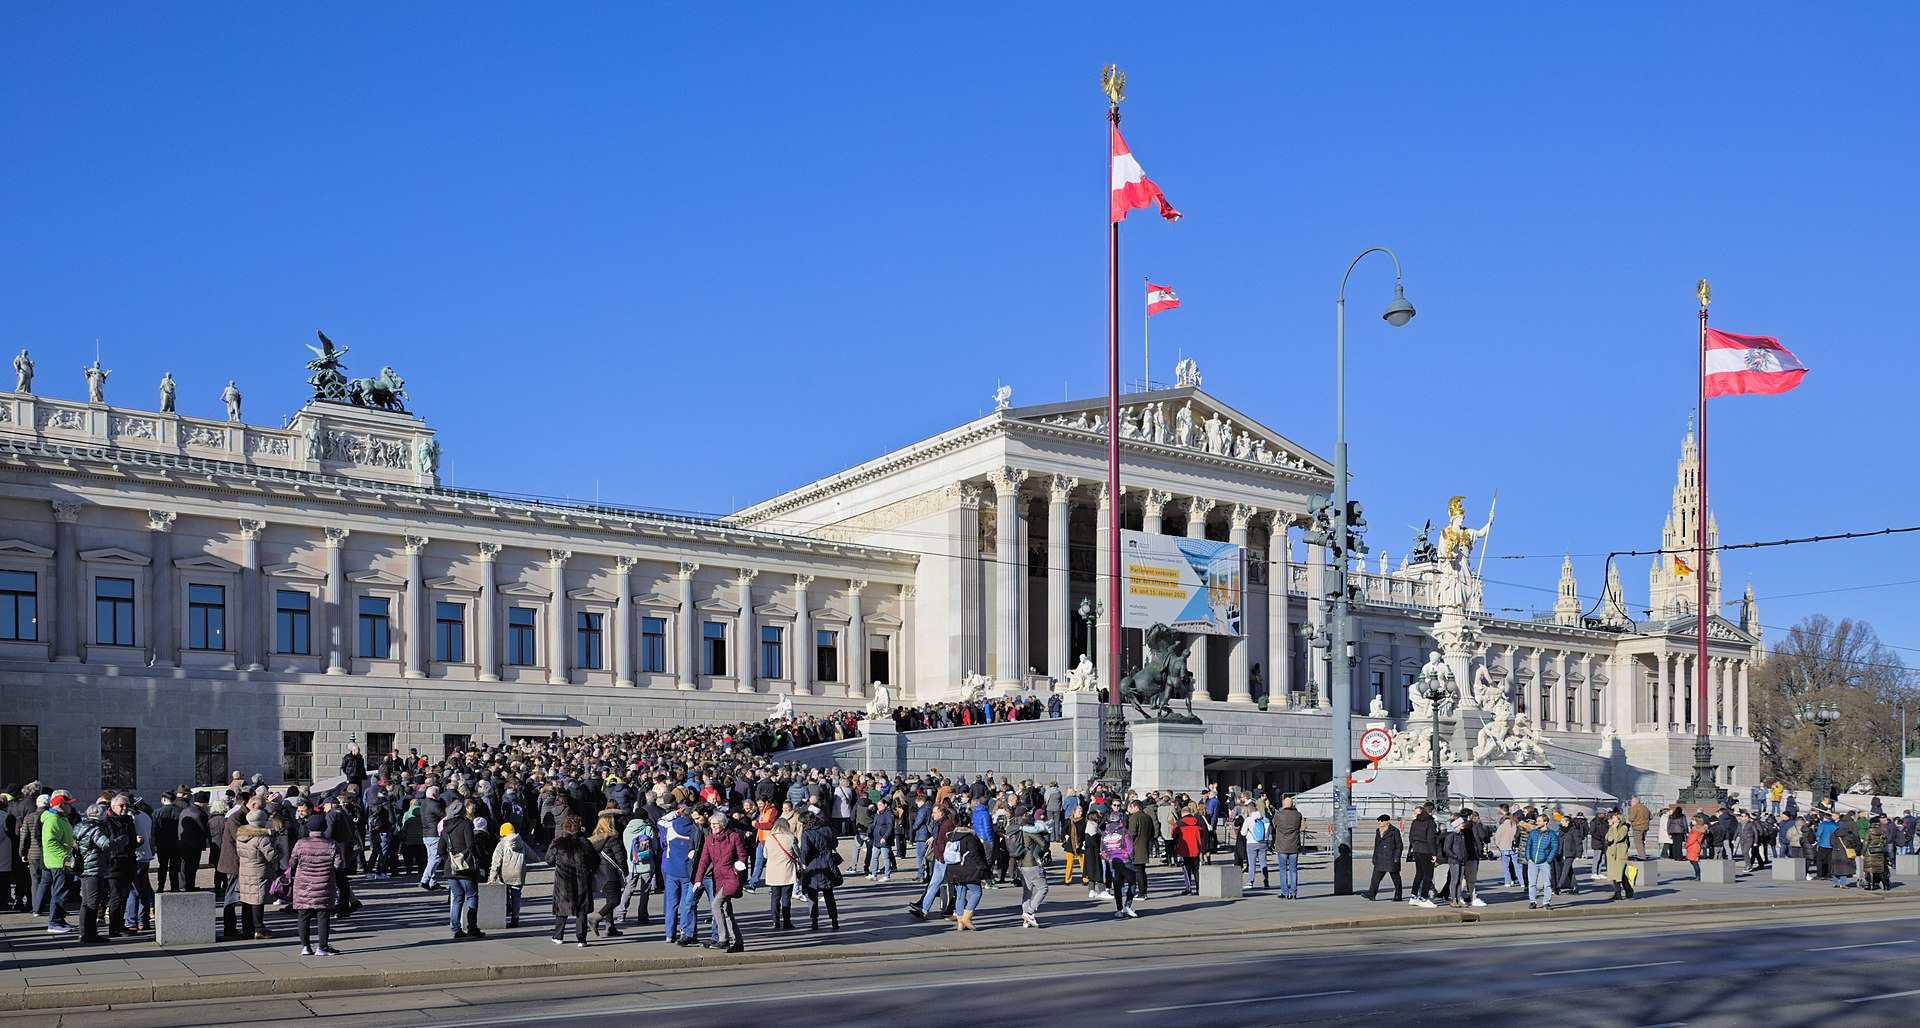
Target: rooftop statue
<point>1459,584</point>
<point>23,373</point>
<point>166,393</point>
<point>97,382</point>
<point>231,397</point>
<point>327,381</point>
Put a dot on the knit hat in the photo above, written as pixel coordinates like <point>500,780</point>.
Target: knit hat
<point>316,824</point>
<point>259,819</point>
<point>479,824</point>
<point>506,829</point>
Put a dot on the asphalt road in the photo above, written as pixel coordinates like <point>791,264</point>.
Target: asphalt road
<point>1758,967</point>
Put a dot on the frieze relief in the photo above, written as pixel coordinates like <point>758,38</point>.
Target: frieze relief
<point>122,427</point>
<point>204,435</point>
<point>63,419</point>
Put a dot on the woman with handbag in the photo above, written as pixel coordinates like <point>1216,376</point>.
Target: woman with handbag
<point>311,867</point>
<point>819,868</point>
<point>463,873</point>
<point>782,870</point>
<point>610,877</point>
<point>258,857</point>
<point>724,855</point>
<point>1695,842</point>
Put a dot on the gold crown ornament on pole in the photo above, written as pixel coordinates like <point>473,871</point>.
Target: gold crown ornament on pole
<point>1705,292</point>
<point>1113,82</point>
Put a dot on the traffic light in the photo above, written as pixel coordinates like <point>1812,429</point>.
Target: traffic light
<point>1356,526</point>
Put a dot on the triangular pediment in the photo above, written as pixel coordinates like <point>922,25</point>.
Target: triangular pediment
<point>527,590</point>
<point>22,548</point>
<point>452,585</point>
<point>1263,447</point>
<point>883,620</point>
<point>591,595</point>
<point>295,571</point>
<point>829,614</point>
<point>377,577</point>
<point>718,606</point>
<point>115,555</point>
<point>656,601</point>
<point>774,610</point>
<point>206,562</point>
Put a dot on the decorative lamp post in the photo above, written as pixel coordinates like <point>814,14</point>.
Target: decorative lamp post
<point>1820,715</point>
<point>1346,528</point>
<point>1436,686</point>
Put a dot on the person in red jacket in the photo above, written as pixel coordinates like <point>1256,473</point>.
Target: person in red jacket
<point>1188,835</point>
<point>314,860</point>
<point>724,855</point>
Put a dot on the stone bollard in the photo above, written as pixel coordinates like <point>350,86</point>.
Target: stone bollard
<point>1789,869</point>
<point>183,918</point>
<point>1650,871</point>
<point>1717,872</point>
<point>1906,864</point>
<point>492,912</point>
<point>1221,881</point>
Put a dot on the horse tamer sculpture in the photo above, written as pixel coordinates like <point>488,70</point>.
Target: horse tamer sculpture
<point>1163,679</point>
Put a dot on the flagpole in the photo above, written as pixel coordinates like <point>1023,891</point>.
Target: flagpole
<point>1114,762</point>
<point>1146,318</point>
<point>1704,789</point>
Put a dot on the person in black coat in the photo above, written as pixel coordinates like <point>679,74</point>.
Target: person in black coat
<point>193,842</point>
<point>575,866</point>
<point>819,867</point>
<point>1423,846</point>
<point>1386,858</point>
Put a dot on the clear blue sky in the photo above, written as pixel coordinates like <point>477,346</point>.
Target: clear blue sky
<point>692,257</point>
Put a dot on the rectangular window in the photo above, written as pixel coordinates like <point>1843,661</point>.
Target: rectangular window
<point>826,656</point>
<point>521,648</point>
<point>449,633</point>
<point>773,663</point>
<point>379,744</point>
<point>653,645</point>
<point>19,753</point>
<point>1594,710</point>
<point>452,744</point>
<point>113,612</point>
<point>296,756</point>
<point>293,622</point>
<point>713,648</point>
<point>209,755</point>
<point>376,628</point>
<point>879,662</point>
<point>19,602</point>
<point>117,758</point>
<point>206,617</point>
<point>586,649</point>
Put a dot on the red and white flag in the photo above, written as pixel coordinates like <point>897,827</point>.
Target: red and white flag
<point>1160,298</point>
<point>1131,186</point>
<point>1748,364</point>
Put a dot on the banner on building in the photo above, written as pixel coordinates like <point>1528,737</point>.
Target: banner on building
<point>1191,585</point>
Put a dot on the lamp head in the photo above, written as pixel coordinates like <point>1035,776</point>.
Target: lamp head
<point>1399,312</point>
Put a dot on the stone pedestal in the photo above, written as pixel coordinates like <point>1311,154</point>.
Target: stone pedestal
<point>183,918</point>
<point>1906,864</point>
<point>492,911</point>
<point>1789,869</point>
<point>1167,757</point>
<point>1221,881</point>
<point>1717,872</point>
<point>884,747</point>
<point>1650,872</point>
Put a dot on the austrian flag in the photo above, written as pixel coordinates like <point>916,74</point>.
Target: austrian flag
<point>1160,298</point>
<point>1748,364</point>
<point>1131,186</point>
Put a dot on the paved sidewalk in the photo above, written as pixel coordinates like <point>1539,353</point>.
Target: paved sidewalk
<point>400,937</point>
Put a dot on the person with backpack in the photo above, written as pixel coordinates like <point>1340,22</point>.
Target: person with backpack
<point>1036,851</point>
<point>819,867</point>
<point>1117,851</point>
<point>509,868</point>
<point>1189,837</point>
<point>968,873</point>
<point>643,870</point>
<point>938,854</point>
<point>676,875</point>
<point>1256,828</point>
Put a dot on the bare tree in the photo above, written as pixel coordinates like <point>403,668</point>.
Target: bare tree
<point>1846,664</point>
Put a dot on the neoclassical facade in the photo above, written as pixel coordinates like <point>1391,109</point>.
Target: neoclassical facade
<point>183,596</point>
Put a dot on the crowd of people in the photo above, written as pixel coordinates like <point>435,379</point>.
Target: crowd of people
<point>703,816</point>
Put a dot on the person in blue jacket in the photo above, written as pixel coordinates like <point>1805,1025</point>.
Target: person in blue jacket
<point>1543,845</point>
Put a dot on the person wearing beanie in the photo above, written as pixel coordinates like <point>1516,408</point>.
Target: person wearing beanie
<point>259,851</point>
<point>313,864</point>
<point>575,865</point>
<point>463,873</point>
<point>509,868</point>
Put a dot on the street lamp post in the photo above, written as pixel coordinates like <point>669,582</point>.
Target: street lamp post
<point>1346,527</point>
<point>1435,688</point>
<point>1822,716</point>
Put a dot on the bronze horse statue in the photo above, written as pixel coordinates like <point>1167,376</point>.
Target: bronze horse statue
<point>1165,678</point>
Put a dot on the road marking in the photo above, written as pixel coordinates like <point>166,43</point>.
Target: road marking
<point>1885,995</point>
<point>1666,1024</point>
<point>1860,945</point>
<point>1612,967</point>
<point>1236,1002</point>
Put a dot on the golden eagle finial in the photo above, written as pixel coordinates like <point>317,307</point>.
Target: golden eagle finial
<point>1704,291</point>
<point>1113,82</point>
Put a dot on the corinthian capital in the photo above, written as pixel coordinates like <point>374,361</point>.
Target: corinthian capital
<point>67,512</point>
<point>1060,488</point>
<point>1006,481</point>
<point>1154,502</point>
<point>160,520</point>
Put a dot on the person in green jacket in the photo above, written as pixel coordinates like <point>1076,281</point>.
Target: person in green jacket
<point>56,855</point>
<point>412,847</point>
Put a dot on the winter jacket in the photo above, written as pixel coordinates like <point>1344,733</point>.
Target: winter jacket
<point>1695,840</point>
<point>1187,835</point>
<point>883,825</point>
<point>91,843</point>
<point>313,861</point>
<point>971,869</point>
<point>1423,836</point>
<point>1543,845</point>
<point>610,874</point>
<point>509,864</point>
<point>257,856</point>
<point>56,840</point>
<point>28,831</point>
<point>575,864</point>
<point>456,837</point>
<point>1387,848</point>
<point>229,862</point>
<point>1140,831</point>
<point>783,854</point>
<point>432,811</point>
<point>818,870</point>
<point>718,856</point>
<point>1617,851</point>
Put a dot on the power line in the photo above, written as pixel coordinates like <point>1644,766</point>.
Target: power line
<point>1716,549</point>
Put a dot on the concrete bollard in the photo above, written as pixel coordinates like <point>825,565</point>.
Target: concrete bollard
<point>183,918</point>
<point>492,911</point>
<point>1906,864</point>
<point>1221,881</point>
<point>1789,869</point>
<point>1650,871</point>
<point>1717,872</point>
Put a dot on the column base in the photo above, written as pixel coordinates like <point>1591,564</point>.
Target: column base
<point>745,687</point>
<point>1244,699</point>
<point>487,678</point>
<point>556,680</point>
<point>413,674</point>
<point>623,683</point>
<point>254,667</point>
<point>66,660</point>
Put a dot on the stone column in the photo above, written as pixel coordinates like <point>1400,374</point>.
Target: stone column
<point>1153,503</point>
<point>1538,695</point>
<point>1059,633</point>
<point>252,639</point>
<point>335,601</point>
<point>1716,677</point>
<point>1197,509</point>
<point>803,636</point>
<point>486,617</point>
<point>560,653</point>
<point>744,674</point>
<point>901,668</point>
<point>417,636</point>
<point>1103,624</point>
<point>1585,701</point>
<point>856,658</point>
<point>1239,686</point>
<point>1279,674</point>
<point>1663,695</point>
<point>688,672</point>
<point>1686,687</point>
<point>625,631</point>
<point>1317,619</point>
<point>165,643</point>
<point>1740,707</point>
<point>67,584</point>
<point>1006,648</point>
